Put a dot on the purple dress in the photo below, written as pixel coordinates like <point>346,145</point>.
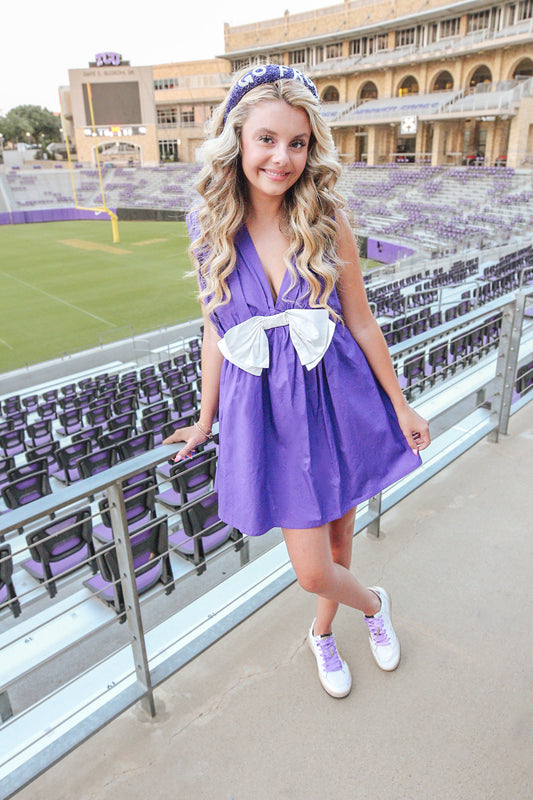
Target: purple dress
<point>298,448</point>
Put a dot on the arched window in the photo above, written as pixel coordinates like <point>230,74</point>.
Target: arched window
<point>443,82</point>
<point>409,85</point>
<point>330,95</point>
<point>369,91</point>
<point>524,69</point>
<point>481,75</point>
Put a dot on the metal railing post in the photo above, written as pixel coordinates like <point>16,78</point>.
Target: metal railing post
<point>374,508</point>
<point>506,365</point>
<point>122,541</point>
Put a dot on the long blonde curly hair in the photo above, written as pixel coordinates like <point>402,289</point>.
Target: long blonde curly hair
<point>309,208</point>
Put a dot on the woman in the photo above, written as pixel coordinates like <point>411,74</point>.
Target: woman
<point>312,419</point>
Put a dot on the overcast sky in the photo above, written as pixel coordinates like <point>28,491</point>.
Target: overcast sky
<point>41,42</point>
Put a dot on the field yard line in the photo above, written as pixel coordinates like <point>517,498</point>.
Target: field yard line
<point>54,297</point>
<point>3,341</point>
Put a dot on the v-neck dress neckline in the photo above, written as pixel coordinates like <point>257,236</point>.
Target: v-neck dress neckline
<point>269,290</point>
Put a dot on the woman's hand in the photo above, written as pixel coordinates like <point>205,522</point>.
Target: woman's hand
<point>414,427</point>
<point>192,437</point>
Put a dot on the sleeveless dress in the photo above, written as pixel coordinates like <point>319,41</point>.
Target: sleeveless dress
<point>298,447</point>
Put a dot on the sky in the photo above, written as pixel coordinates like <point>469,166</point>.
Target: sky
<point>40,43</point>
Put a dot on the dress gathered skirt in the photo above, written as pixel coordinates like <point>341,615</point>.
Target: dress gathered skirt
<point>298,447</point>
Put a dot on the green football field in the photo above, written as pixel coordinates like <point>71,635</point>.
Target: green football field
<point>64,286</point>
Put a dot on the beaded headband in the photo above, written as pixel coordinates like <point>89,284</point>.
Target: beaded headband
<point>269,73</point>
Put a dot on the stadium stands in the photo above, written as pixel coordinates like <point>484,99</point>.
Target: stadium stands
<point>430,209</point>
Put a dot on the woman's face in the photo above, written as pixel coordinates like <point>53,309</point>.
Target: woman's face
<point>274,146</point>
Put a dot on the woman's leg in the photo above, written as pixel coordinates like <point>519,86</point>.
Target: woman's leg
<point>341,545</point>
<point>310,551</point>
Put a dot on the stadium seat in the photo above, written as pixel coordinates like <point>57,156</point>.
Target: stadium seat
<point>149,545</point>
<point>25,490</point>
<point>134,446</point>
<point>70,421</point>
<point>8,595</point>
<point>60,547</point>
<point>190,479</point>
<point>203,531</point>
<point>67,459</point>
<point>438,361</point>
<point>113,438</point>
<point>40,432</point>
<point>12,442</point>
<point>97,461</point>
<point>46,450</point>
<point>414,373</point>
<point>139,500</point>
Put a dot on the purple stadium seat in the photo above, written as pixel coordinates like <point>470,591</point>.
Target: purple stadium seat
<point>60,547</point>
<point>203,531</point>
<point>8,595</point>
<point>149,545</point>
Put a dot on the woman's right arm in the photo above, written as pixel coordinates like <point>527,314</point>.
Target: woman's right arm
<point>212,360</point>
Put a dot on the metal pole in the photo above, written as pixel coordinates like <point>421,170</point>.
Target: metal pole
<point>374,508</point>
<point>121,537</point>
<point>506,365</point>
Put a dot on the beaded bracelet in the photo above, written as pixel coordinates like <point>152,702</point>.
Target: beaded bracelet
<point>207,435</point>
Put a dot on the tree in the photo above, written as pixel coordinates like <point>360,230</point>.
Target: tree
<point>30,124</point>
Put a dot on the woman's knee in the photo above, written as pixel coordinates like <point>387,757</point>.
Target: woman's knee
<point>314,581</point>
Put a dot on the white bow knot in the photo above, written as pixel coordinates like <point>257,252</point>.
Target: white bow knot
<point>310,329</point>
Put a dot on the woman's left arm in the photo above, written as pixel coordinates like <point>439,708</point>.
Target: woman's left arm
<point>366,331</point>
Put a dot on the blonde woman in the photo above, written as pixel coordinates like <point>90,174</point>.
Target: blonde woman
<point>312,420</point>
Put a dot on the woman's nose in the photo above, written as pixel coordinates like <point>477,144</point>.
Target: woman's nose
<point>280,155</point>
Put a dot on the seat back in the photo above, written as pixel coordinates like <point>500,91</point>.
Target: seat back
<point>39,465</point>
<point>127,418</point>
<point>200,518</point>
<point>97,461</point>
<point>194,476</point>
<point>149,546</point>
<point>113,438</point>
<point>136,445</point>
<point>155,420</point>
<point>26,489</point>
<point>40,432</point>
<point>139,500</point>
<point>46,450</point>
<point>8,595</point>
<point>186,402</point>
<point>60,538</point>
<point>92,434</point>
<point>12,442</point>
<point>68,457</point>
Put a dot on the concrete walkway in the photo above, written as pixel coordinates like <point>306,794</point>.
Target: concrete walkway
<point>248,720</point>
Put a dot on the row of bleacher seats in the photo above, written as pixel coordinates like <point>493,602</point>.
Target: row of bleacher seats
<point>438,207</point>
<point>428,206</point>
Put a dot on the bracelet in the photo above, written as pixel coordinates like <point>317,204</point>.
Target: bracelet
<point>207,435</point>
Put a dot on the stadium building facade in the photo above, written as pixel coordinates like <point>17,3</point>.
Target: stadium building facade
<point>412,81</point>
<point>432,82</point>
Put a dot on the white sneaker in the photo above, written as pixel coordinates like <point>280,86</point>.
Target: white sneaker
<point>333,672</point>
<point>383,640</point>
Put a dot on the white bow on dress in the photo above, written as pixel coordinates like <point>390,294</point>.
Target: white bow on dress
<point>310,329</point>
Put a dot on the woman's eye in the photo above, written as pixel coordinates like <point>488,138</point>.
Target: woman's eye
<point>298,145</point>
<point>266,139</point>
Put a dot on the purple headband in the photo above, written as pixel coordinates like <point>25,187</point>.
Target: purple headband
<point>269,73</point>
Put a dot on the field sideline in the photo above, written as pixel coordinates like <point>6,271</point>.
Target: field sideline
<point>65,284</point>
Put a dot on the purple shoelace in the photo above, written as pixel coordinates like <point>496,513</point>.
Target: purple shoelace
<point>328,651</point>
<point>377,630</point>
